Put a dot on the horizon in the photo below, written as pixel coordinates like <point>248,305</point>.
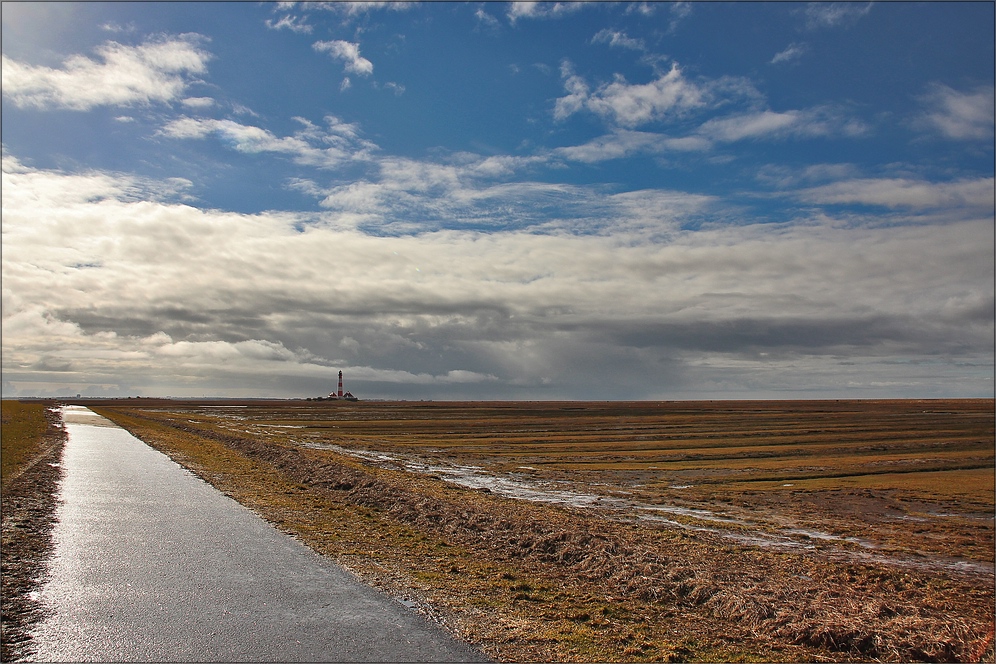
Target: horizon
<point>72,399</point>
<point>499,201</point>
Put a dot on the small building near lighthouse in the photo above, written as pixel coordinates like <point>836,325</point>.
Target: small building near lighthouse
<point>340,395</point>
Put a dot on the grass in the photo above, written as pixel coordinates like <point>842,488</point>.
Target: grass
<point>531,581</point>
<point>30,450</point>
<point>21,436</point>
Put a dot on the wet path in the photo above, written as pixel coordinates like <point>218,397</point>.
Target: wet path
<point>153,564</point>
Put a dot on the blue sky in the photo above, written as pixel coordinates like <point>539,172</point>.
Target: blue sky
<point>498,200</point>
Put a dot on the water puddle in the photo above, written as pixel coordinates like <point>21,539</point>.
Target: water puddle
<point>816,534</point>
<point>83,415</point>
<point>626,509</point>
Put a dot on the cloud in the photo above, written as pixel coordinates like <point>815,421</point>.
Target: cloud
<point>819,121</point>
<point>958,115</point>
<point>792,52</point>
<point>643,8</point>
<point>111,26</point>
<point>337,143</point>
<point>577,90</point>
<point>198,102</point>
<point>679,12</point>
<point>359,7</point>
<point>485,18</point>
<point>809,123</point>
<point>520,10</point>
<point>668,97</point>
<point>975,193</point>
<point>293,23</point>
<point>623,143</point>
<point>105,285</point>
<point>159,70</point>
<point>835,14</point>
<point>402,196</point>
<point>784,176</point>
<point>618,39</point>
<point>349,53</point>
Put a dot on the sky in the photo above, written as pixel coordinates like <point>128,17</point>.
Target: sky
<point>594,201</point>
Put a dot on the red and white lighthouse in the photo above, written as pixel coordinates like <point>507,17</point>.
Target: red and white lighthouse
<point>340,385</point>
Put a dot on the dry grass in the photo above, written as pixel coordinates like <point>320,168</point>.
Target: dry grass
<point>22,434</point>
<point>530,581</point>
<point>32,447</point>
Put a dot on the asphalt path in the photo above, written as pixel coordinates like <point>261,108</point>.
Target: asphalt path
<point>153,564</point>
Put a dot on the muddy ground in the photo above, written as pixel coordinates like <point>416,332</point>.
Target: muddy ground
<point>28,512</point>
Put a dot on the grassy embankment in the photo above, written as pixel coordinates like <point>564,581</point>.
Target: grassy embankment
<point>30,450</point>
<point>530,582</point>
<point>21,436</point>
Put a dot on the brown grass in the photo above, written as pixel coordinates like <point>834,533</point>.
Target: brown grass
<point>22,435</point>
<point>533,581</point>
<point>31,451</point>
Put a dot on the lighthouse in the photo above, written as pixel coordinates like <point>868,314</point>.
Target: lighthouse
<point>339,394</point>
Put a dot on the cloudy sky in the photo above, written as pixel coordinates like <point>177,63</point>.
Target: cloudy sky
<point>492,200</point>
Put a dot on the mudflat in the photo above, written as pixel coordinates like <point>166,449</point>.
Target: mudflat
<point>726,530</point>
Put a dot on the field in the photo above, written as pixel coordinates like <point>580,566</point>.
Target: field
<point>21,436</point>
<point>806,530</point>
<point>32,439</point>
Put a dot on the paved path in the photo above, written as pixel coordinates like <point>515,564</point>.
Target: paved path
<point>153,564</point>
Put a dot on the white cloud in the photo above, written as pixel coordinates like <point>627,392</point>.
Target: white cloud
<point>625,143</point>
<point>198,102</point>
<point>784,176</point>
<point>668,97</point>
<point>577,95</point>
<point>400,195</point>
<point>239,109</point>
<point>80,188</point>
<point>111,26</point>
<point>349,53</point>
<point>339,141</point>
<point>835,14</point>
<point>522,9</point>
<point>958,115</point>
<point>485,18</point>
<point>359,7</point>
<point>974,193</point>
<point>792,52</point>
<point>156,71</point>
<point>644,8</point>
<point>618,39</point>
<point>97,290</point>
<point>293,23</point>
<point>750,125</point>
<point>755,125</point>
<point>679,12</point>
<point>819,121</point>
<point>630,105</point>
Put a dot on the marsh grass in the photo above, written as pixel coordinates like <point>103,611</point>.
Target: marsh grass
<point>22,433</point>
<point>32,440</point>
<point>528,581</point>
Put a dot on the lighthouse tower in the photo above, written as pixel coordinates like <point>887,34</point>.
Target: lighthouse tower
<point>340,385</point>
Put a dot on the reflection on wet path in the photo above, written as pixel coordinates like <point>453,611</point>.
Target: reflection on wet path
<point>153,564</point>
